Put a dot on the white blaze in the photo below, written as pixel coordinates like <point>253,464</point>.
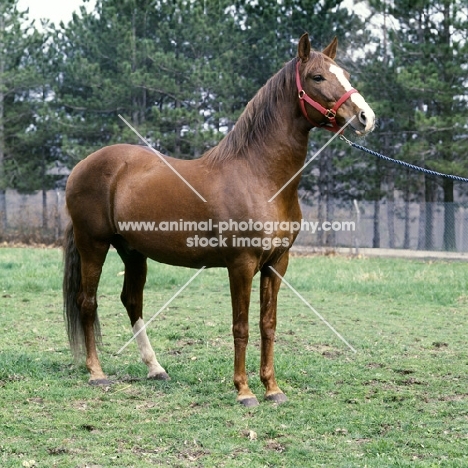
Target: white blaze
<point>355,97</point>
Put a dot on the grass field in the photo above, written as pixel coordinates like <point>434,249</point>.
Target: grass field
<point>400,401</point>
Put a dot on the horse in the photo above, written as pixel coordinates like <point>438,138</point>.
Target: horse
<point>249,180</point>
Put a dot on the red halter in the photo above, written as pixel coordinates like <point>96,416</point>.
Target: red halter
<point>330,114</point>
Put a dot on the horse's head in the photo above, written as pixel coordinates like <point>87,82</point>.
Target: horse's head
<point>326,95</point>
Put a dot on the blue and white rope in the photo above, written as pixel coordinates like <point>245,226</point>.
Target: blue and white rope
<point>404,163</point>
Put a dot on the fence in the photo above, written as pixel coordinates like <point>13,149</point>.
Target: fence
<point>397,225</point>
<point>34,218</point>
<point>41,218</point>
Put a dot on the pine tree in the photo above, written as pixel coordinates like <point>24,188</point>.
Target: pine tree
<point>38,144</point>
<point>164,65</point>
<point>427,102</point>
<point>18,86</point>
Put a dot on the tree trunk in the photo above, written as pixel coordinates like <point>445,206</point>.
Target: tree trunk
<point>422,225</point>
<point>44,195</point>
<point>391,209</point>
<point>320,219</point>
<point>422,215</point>
<point>322,199</point>
<point>330,213</point>
<point>58,221</point>
<point>3,207</point>
<point>44,212</point>
<point>376,238</point>
<point>430,198</point>
<point>378,188</point>
<point>450,243</point>
<point>406,240</point>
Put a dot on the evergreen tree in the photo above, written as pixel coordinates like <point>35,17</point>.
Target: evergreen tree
<point>426,106</point>
<point>165,65</point>
<point>38,143</point>
<point>20,48</point>
<point>181,71</point>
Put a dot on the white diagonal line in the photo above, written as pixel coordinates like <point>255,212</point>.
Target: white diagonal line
<point>161,309</point>
<point>311,159</point>
<point>161,157</point>
<point>314,311</point>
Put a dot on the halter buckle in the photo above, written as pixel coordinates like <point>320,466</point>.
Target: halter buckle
<point>330,114</point>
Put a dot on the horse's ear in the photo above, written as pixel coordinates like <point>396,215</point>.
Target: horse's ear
<point>330,50</point>
<point>303,48</point>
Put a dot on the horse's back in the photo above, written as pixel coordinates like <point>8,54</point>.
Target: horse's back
<point>105,163</point>
<point>131,183</point>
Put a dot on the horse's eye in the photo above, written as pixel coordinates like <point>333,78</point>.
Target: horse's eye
<point>318,78</point>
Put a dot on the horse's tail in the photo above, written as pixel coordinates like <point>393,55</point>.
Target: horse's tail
<point>71,289</point>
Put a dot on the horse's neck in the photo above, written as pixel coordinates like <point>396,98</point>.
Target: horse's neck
<point>282,154</point>
<point>268,143</point>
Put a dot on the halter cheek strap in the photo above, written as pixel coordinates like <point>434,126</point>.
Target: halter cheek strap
<point>329,114</point>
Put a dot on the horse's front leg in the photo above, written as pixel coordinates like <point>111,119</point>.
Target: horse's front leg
<point>240,281</point>
<point>269,286</point>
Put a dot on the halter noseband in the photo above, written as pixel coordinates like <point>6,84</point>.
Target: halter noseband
<point>330,114</point>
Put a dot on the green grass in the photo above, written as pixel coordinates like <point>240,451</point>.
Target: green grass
<point>401,401</point>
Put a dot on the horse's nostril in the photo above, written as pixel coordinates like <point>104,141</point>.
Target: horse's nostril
<point>362,117</point>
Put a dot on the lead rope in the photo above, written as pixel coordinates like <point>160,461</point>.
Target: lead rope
<point>403,163</point>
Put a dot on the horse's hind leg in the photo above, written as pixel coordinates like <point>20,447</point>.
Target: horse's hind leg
<point>132,299</point>
<point>93,256</point>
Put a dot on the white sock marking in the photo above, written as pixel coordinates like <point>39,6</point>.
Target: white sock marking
<point>146,350</point>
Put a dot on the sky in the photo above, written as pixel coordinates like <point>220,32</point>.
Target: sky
<point>61,10</point>
<point>54,10</point>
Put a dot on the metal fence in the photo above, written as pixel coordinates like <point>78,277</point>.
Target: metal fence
<point>397,225</point>
<point>34,218</point>
<point>41,218</point>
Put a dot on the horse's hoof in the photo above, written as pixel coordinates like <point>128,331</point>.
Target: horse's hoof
<point>160,376</point>
<point>249,402</point>
<point>100,382</point>
<point>277,398</point>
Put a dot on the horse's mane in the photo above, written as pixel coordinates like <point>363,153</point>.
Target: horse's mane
<point>258,119</point>
<point>260,116</point>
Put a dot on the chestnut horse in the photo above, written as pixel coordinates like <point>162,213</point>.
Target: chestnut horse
<point>243,179</point>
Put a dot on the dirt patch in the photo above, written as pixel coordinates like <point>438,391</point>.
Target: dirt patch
<point>440,344</point>
<point>374,365</point>
<point>461,397</point>
<point>325,350</point>
<point>274,445</point>
<point>410,381</point>
<point>404,371</point>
